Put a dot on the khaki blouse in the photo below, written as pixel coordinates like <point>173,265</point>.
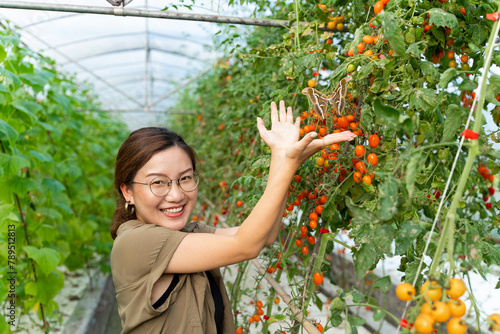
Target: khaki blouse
<point>139,257</point>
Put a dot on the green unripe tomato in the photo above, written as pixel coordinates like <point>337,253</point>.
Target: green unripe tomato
<point>465,67</point>
<point>351,68</point>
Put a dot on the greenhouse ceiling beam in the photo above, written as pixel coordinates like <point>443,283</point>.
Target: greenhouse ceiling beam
<point>139,111</point>
<point>121,11</point>
<point>178,88</point>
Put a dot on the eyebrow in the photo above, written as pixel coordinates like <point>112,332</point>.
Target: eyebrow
<point>161,174</point>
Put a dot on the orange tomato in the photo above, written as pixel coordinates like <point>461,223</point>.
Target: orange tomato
<point>357,177</point>
<point>405,291</point>
<point>456,326</point>
<point>440,311</point>
<point>424,324</point>
<point>372,158</point>
<point>367,39</point>
<point>431,290</point>
<point>359,150</point>
<point>379,6</point>
<point>457,307</point>
<point>311,83</point>
<point>457,288</point>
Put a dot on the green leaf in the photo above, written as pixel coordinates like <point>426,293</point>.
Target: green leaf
<point>12,164</point>
<point>415,162</point>
<point>337,304</point>
<point>428,68</point>
<point>424,98</point>
<point>392,31</point>
<point>46,287</point>
<point>364,259</point>
<point>53,186</point>
<point>46,258</point>
<point>359,212</point>
<point>388,115</point>
<point>356,321</point>
<point>440,18</point>
<point>415,49</point>
<point>452,123</point>
<point>388,204</point>
<point>474,249</point>
<point>406,235</point>
<point>383,284</point>
<point>41,157</point>
<point>27,108</point>
<point>468,85</point>
<point>8,132</point>
<point>446,77</point>
<point>383,236</point>
<point>3,54</point>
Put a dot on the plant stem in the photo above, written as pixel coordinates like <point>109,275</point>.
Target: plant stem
<point>449,224</point>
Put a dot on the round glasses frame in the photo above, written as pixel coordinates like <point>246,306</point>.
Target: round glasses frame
<point>196,175</point>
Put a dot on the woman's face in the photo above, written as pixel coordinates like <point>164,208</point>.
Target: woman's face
<point>173,209</point>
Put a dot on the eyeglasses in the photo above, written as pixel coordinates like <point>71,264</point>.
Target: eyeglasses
<point>161,185</point>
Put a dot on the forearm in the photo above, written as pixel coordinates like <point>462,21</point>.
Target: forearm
<point>262,225</point>
<point>273,169</point>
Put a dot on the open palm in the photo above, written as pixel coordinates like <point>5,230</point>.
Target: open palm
<point>284,135</point>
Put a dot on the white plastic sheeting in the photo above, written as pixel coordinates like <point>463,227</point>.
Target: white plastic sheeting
<point>135,64</point>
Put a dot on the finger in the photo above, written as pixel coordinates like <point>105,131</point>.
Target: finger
<point>261,127</point>
<point>337,138</point>
<point>289,115</point>
<point>282,111</point>
<point>274,112</point>
<point>307,140</point>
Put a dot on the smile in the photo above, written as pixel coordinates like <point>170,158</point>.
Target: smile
<point>173,210</point>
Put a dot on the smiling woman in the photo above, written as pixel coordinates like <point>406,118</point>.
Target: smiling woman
<point>165,269</point>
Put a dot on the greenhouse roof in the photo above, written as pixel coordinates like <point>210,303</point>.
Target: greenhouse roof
<point>136,64</point>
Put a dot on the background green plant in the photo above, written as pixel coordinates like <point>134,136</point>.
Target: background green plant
<point>56,178</point>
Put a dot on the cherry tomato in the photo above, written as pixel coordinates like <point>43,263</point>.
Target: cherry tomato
<point>424,324</point>
<point>367,179</point>
<point>318,278</point>
<point>379,6</point>
<point>495,317</point>
<point>457,307</point>
<point>357,177</point>
<point>440,311</point>
<point>311,83</point>
<point>373,140</point>
<point>431,290</point>
<point>456,326</point>
<point>359,150</point>
<point>457,288</point>
<point>405,291</point>
<point>372,158</point>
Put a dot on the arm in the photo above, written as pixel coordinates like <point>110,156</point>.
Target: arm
<point>203,251</point>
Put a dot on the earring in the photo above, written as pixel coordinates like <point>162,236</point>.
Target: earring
<point>132,209</point>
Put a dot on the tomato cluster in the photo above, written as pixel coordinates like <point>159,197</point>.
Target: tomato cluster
<point>432,308</point>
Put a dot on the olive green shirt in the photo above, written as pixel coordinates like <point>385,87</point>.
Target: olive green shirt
<point>140,254</point>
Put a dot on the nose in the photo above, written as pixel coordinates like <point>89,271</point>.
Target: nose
<point>175,193</point>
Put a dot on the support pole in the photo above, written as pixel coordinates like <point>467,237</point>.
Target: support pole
<point>120,11</point>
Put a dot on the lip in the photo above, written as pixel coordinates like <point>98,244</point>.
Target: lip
<point>176,214</point>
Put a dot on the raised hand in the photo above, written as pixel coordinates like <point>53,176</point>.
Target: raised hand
<point>283,138</point>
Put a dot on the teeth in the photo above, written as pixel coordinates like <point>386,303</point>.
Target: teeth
<point>179,209</point>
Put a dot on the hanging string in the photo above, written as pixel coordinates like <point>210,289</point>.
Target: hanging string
<point>448,182</point>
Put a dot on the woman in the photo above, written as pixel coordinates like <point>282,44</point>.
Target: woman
<point>165,270</point>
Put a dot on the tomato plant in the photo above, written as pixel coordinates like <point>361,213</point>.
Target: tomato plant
<point>414,71</point>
